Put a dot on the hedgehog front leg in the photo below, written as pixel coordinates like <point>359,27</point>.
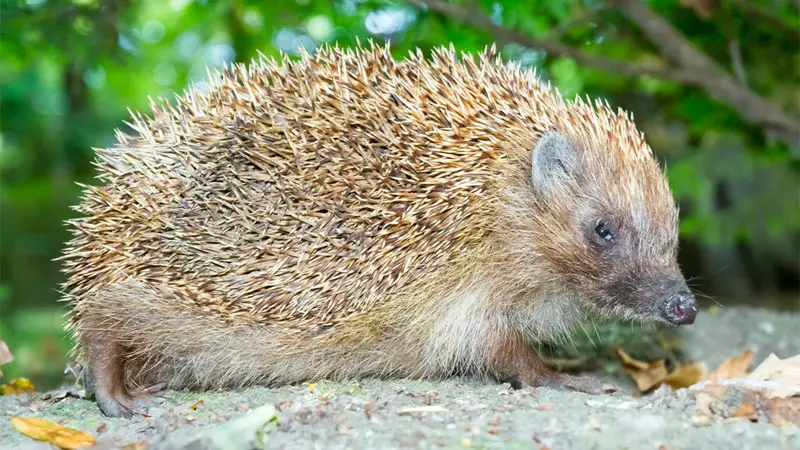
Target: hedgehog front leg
<point>105,377</point>
<point>513,360</point>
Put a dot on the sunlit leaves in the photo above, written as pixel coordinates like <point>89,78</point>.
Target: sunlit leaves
<point>567,78</point>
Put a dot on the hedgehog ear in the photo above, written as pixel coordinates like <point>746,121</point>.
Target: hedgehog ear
<point>553,162</point>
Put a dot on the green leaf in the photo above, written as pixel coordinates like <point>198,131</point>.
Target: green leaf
<point>566,77</point>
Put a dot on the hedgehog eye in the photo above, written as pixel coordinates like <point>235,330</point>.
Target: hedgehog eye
<point>604,232</point>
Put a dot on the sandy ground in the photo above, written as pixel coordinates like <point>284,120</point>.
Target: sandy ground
<point>455,413</point>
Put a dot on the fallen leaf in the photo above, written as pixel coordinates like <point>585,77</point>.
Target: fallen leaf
<point>58,435</point>
<point>784,411</point>
<point>716,389</point>
<point>196,404</point>
<point>685,376</point>
<point>17,386</point>
<point>781,371</point>
<point>735,367</point>
<point>628,361</point>
<point>311,387</point>
<point>645,375</point>
<point>136,446</point>
<point>746,410</point>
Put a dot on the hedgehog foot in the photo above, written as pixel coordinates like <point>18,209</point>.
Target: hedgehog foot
<point>125,403</point>
<point>105,378</point>
<point>121,404</point>
<point>516,362</point>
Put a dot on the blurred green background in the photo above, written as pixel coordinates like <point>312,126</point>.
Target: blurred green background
<point>725,124</point>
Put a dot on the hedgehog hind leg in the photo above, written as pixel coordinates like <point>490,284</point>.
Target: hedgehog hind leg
<point>109,326</point>
<point>105,377</point>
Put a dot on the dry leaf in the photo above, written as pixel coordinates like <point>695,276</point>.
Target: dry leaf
<point>196,404</point>
<point>716,389</point>
<point>628,361</point>
<point>687,375</point>
<point>136,446</point>
<point>735,367</point>
<point>646,375</point>
<point>17,386</point>
<point>746,410</point>
<point>58,435</point>
<point>783,411</point>
<point>781,371</point>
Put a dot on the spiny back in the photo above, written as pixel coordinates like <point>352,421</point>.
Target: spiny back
<point>309,190</point>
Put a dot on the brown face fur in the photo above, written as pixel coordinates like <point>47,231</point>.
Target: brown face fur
<point>601,222</point>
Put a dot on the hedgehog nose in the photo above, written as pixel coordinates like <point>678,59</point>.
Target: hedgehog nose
<point>680,309</point>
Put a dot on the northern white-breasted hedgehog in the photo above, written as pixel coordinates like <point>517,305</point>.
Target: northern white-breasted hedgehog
<point>349,215</point>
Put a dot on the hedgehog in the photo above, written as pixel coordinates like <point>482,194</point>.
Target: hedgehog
<point>346,215</point>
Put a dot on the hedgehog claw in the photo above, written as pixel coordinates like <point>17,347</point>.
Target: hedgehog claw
<point>115,406</point>
<point>126,405</point>
<point>156,391</point>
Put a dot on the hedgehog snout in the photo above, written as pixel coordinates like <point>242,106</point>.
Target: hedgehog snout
<point>680,308</point>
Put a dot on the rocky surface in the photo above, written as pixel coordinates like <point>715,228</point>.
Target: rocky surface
<point>454,413</point>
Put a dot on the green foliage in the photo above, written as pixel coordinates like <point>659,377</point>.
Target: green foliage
<point>39,343</point>
<point>69,71</point>
<point>567,76</point>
